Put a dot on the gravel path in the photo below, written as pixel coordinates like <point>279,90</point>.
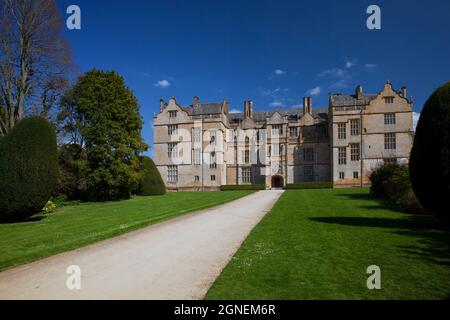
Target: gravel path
<point>176,259</point>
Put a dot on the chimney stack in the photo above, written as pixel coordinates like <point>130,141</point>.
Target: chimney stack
<point>359,92</point>
<point>248,109</point>
<point>225,106</point>
<point>307,105</point>
<point>161,105</point>
<point>404,92</point>
<point>196,102</point>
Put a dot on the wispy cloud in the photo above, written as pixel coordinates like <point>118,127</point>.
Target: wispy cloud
<point>416,117</point>
<point>279,72</point>
<point>270,92</point>
<point>341,83</point>
<point>235,111</point>
<point>276,104</point>
<point>370,66</point>
<point>162,84</point>
<point>314,91</point>
<point>335,72</point>
<point>349,63</point>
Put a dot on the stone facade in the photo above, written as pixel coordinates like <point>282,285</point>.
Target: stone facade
<point>203,146</point>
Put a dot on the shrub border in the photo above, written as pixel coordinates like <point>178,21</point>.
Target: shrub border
<point>309,185</point>
<point>240,187</point>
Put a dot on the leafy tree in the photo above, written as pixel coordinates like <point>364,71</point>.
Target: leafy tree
<point>430,155</point>
<point>28,168</point>
<point>152,183</point>
<point>108,119</point>
<point>71,182</point>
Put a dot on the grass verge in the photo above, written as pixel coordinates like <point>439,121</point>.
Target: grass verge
<point>318,244</point>
<point>72,227</point>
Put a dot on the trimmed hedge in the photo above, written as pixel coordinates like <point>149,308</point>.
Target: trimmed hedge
<point>152,184</point>
<point>255,187</point>
<point>310,185</point>
<point>430,155</point>
<point>28,169</point>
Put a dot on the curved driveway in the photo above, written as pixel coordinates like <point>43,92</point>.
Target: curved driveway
<point>176,259</point>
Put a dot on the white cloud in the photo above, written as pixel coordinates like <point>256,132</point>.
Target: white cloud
<point>276,104</point>
<point>279,72</point>
<point>416,116</point>
<point>162,84</point>
<point>314,91</point>
<point>297,106</point>
<point>235,111</point>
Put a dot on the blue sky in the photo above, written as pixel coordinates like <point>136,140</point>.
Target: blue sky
<point>272,52</point>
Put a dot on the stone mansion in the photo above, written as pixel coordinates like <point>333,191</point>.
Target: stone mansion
<point>204,146</point>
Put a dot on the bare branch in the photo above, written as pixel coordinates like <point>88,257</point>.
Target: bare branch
<point>33,57</point>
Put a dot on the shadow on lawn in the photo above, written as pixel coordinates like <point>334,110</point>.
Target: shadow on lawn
<point>355,196</point>
<point>431,236</point>
<point>431,239</point>
<point>27,220</point>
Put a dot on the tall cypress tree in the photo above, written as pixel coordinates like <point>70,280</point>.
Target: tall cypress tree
<point>110,123</point>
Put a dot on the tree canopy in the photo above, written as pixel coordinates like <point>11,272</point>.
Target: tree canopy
<point>108,119</point>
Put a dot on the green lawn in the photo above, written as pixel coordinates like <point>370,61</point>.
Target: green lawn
<point>317,244</point>
<point>75,226</point>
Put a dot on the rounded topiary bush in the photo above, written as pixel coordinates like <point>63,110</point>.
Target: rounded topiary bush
<point>430,155</point>
<point>28,168</point>
<point>152,183</point>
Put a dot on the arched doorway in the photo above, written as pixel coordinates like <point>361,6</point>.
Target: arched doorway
<point>277,182</point>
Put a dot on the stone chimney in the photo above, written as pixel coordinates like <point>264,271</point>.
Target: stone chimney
<point>196,102</point>
<point>404,92</point>
<point>307,105</point>
<point>359,92</point>
<point>248,109</point>
<point>225,106</point>
<point>161,105</point>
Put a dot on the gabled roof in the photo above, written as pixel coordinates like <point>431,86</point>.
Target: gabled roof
<point>292,114</point>
<point>339,100</point>
<point>204,108</point>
